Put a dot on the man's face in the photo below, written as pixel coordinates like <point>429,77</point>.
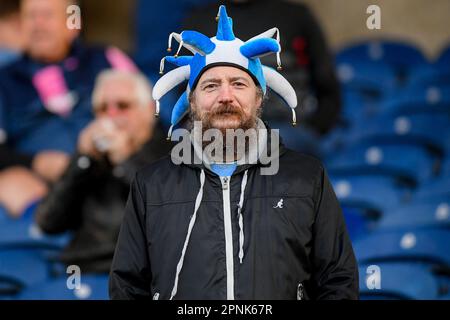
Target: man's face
<point>226,98</point>
<point>119,104</point>
<point>44,23</point>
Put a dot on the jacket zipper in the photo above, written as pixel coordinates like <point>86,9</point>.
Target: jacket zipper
<point>228,236</point>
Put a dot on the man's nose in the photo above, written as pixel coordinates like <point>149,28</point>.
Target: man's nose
<point>39,20</point>
<point>112,111</point>
<point>226,94</point>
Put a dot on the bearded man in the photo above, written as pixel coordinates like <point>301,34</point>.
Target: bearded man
<point>203,226</point>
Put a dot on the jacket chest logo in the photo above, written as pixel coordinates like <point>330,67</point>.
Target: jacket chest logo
<point>279,204</point>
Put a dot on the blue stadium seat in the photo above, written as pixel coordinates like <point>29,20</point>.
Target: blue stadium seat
<point>431,98</point>
<point>357,224</point>
<point>418,215</point>
<point>298,138</point>
<point>438,188</point>
<point>429,75</point>
<point>431,130</point>
<point>444,58</point>
<point>23,267</point>
<point>3,214</point>
<point>25,232</point>
<point>445,297</point>
<point>446,163</point>
<point>410,163</point>
<point>359,105</point>
<point>443,277</point>
<point>429,94</point>
<point>372,78</point>
<point>334,141</point>
<point>353,106</point>
<point>419,245</point>
<point>396,282</point>
<point>399,56</point>
<point>388,51</point>
<point>370,193</point>
<point>92,287</point>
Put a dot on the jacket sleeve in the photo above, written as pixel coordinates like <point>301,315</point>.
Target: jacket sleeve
<point>60,210</point>
<point>8,156</point>
<point>130,276</point>
<point>335,271</point>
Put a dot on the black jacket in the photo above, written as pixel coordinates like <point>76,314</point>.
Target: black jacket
<point>295,242</point>
<point>90,200</point>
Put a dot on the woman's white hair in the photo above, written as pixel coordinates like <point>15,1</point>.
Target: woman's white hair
<point>143,88</point>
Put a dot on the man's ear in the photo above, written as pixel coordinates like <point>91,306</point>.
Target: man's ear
<point>259,98</point>
<point>151,108</point>
<point>191,97</point>
<point>152,105</point>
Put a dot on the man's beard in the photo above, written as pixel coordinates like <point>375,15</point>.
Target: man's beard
<point>223,118</point>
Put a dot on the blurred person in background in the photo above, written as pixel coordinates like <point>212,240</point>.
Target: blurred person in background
<point>91,195</point>
<point>45,101</point>
<point>11,36</point>
<point>306,59</point>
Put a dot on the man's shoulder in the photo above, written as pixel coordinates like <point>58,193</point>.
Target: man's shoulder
<point>299,174</point>
<point>300,163</point>
<point>157,170</point>
<point>7,70</point>
<point>14,77</point>
<point>90,55</point>
<point>305,159</point>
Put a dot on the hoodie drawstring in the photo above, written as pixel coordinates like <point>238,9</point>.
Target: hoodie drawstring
<point>198,201</point>
<point>241,223</point>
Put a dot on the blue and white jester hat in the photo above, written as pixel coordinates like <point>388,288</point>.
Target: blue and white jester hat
<point>223,49</point>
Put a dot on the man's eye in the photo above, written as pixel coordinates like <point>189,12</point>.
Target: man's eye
<point>239,84</point>
<point>210,86</point>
